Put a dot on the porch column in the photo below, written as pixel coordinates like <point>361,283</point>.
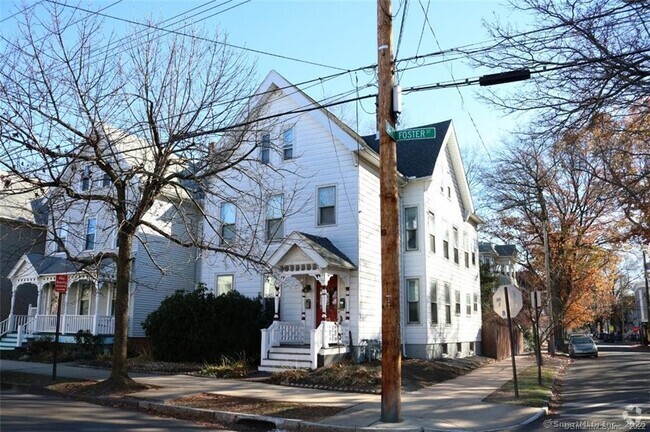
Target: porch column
<point>303,315</point>
<point>11,311</point>
<point>64,298</point>
<point>276,315</point>
<point>96,307</point>
<point>347,303</point>
<point>39,298</point>
<point>323,303</point>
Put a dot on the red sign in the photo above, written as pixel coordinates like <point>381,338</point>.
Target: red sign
<point>61,283</point>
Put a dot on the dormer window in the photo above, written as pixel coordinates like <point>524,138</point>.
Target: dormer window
<point>85,178</point>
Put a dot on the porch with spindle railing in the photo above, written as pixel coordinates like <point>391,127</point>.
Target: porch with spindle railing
<point>29,325</point>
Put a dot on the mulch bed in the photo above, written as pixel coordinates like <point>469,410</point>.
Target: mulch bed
<point>218,402</point>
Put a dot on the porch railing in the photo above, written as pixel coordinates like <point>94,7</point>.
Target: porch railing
<point>4,327</point>
<point>282,333</point>
<point>105,324</point>
<point>74,323</point>
<point>328,333</point>
<point>71,324</point>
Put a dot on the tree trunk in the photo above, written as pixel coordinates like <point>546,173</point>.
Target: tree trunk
<point>119,371</point>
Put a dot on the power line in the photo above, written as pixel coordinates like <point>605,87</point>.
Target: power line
<point>154,27</point>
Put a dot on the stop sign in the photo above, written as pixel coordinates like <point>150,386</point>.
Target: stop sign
<point>515,301</point>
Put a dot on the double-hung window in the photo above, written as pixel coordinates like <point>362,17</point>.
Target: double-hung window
<point>466,248</point>
<point>265,148</point>
<point>411,225</point>
<point>62,234</point>
<point>106,180</point>
<point>84,298</point>
<point>85,178</point>
<point>274,221</point>
<point>432,231</point>
<point>91,232</point>
<point>475,303</point>
<point>224,284</point>
<point>447,303</point>
<point>457,298</point>
<point>456,258</point>
<point>433,299</point>
<point>413,288</point>
<point>228,217</point>
<point>327,205</point>
<point>288,139</point>
<point>468,304</point>
<point>445,244</point>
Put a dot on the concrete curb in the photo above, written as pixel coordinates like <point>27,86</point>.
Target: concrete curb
<point>201,414</point>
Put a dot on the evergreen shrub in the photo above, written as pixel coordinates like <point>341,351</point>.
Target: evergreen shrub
<point>197,326</point>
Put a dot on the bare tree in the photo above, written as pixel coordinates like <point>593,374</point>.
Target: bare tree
<point>532,184</point>
<point>593,58</point>
<point>140,127</point>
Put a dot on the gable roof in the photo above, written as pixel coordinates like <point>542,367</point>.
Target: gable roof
<point>319,249</point>
<point>51,264</point>
<point>325,248</point>
<point>416,158</point>
<point>275,81</point>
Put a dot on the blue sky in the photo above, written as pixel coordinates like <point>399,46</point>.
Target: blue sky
<point>342,34</point>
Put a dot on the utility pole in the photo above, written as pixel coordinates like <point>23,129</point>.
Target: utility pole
<point>647,301</point>
<point>391,360</point>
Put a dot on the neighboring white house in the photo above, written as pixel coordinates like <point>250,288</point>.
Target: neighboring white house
<point>501,259</point>
<point>323,231</point>
<point>89,228</point>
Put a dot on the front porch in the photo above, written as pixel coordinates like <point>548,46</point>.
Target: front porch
<point>315,328</point>
<point>87,304</point>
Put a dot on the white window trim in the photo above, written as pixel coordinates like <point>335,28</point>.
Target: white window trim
<point>267,237</point>
<point>336,205</point>
<point>85,235</point>
<point>417,228</point>
<point>419,321</point>
<point>435,300</point>
<point>216,282</point>
<point>222,241</point>
<point>293,144</point>
<point>262,148</point>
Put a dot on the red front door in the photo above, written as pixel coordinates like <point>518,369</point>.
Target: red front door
<point>332,301</point>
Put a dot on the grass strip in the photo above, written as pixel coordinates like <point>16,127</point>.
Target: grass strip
<point>530,392</point>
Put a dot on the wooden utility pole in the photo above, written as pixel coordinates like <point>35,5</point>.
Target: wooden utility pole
<point>391,360</point>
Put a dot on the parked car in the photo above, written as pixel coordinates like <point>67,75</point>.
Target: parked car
<point>582,346</point>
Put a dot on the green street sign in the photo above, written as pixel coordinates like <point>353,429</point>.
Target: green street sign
<point>416,134</point>
<point>410,134</point>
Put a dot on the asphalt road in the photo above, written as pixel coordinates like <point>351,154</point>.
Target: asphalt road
<point>608,393</point>
<point>41,413</point>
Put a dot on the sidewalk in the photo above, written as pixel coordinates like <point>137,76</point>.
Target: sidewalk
<point>450,405</point>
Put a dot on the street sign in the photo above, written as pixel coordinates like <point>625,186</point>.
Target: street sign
<point>391,131</point>
<point>410,134</point>
<point>61,283</point>
<point>539,302</point>
<point>515,300</point>
<point>416,134</point>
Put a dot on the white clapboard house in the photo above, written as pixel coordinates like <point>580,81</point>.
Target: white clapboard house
<point>322,226</point>
<point>88,227</point>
